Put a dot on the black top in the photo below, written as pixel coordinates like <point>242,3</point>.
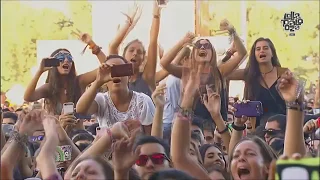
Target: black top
<point>140,85</point>
<point>272,102</point>
<point>201,110</point>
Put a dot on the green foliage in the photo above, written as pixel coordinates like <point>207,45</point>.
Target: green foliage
<point>22,25</point>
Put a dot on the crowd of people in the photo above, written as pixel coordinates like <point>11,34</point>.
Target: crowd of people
<point>175,123</point>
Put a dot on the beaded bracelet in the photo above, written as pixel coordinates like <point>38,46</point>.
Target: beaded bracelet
<point>22,140</point>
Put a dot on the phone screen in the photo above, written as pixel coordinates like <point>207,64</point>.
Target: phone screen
<point>63,153</point>
<point>68,108</point>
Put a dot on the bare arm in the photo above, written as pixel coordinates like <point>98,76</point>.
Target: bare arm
<point>234,62</point>
<point>121,35</point>
<point>149,72</point>
<point>317,96</point>
<point>86,103</point>
<point>87,78</point>
<point>32,94</point>
<point>171,59</point>
<point>236,75</point>
<point>159,100</point>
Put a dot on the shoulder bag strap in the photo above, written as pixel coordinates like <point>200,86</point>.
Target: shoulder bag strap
<point>279,73</point>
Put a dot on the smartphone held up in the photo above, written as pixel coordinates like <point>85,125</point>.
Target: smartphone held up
<point>162,3</point>
<point>51,62</point>
<point>122,70</point>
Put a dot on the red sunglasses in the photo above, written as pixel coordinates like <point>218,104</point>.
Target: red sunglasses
<point>156,159</point>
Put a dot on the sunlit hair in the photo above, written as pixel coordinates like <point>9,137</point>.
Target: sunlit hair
<point>54,79</point>
<point>266,151</point>
<point>252,71</point>
<point>214,77</point>
<point>129,44</point>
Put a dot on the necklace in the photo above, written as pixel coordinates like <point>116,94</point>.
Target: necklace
<point>263,74</point>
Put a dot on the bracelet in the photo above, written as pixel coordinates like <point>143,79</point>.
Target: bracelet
<point>188,113</point>
<point>111,136</point>
<point>296,105</point>
<point>223,131</point>
<point>22,140</point>
<point>96,50</point>
<point>156,16</point>
<point>238,128</point>
<point>182,117</point>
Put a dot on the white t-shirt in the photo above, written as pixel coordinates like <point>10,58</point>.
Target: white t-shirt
<point>140,108</point>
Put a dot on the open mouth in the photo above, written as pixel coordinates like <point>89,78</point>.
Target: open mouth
<point>202,53</point>
<point>133,60</point>
<point>117,80</point>
<point>65,66</point>
<point>263,55</point>
<point>242,172</point>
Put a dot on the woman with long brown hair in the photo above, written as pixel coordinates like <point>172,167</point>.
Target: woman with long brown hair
<point>205,53</point>
<point>261,75</point>
<point>62,84</point>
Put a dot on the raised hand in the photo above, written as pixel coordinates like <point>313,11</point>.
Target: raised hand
<point>133,15</point>
<point>158,96</point>
<point>289,87</point>
<point>212,101</point>
<point>84,37</point>
<point>104,74</point>
<point>67,121</point>
<point>32,122</point>
<point>42,67</point>
<point>311,126</point>
<point>242,120</point>
<point>124,156</point>
<point>156,9</point>
<point>119,130</point>
<point>189,37</point>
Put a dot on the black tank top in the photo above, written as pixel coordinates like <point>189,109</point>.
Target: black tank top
<point>201,110</point>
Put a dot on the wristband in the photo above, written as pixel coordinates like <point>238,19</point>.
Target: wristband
<point>296,105</point>
<point>156,16</point>
<point>111,136</point>
<point>318,122</point>
<point>96,50</point>
<point>238,128</point>
<point>223,131</point>
<point>182,117</point>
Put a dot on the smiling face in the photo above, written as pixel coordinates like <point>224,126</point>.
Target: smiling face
<point>263,52</point>
<point>135,54</point>
<point>88,169</point>
<point>247,162</point>
<point>118,83</point>
<point>66,62</point>
<point>213,156</point>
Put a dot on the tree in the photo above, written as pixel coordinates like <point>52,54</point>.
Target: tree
<point>22,26</point>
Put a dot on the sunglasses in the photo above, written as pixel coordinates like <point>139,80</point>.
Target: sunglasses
<point>35,138</point>
<point>207,45</point>
<point>156,159</point>
<point>62,56</point>
<point>272,132</point>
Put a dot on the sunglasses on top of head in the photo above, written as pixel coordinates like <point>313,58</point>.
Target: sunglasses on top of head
<point>199,45</point>
<point>157,159</point>
<point>272,132</point>
<point>62,56</point>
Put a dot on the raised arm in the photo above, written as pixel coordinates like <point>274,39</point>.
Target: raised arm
<point>86,103</point>
<point>159,100</point>
<point>132,18</point>
<point>293,93</point>
<point>32,94</point>
<point>172,54</point>
<point>181,133</point>
<point>237,58</point>
<point>212,102</point>
<point>149,72</point>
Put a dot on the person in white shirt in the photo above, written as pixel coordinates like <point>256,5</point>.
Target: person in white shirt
<point>118,103</point>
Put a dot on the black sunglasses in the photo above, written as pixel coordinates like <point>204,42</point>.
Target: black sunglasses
<point>272,132</point>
